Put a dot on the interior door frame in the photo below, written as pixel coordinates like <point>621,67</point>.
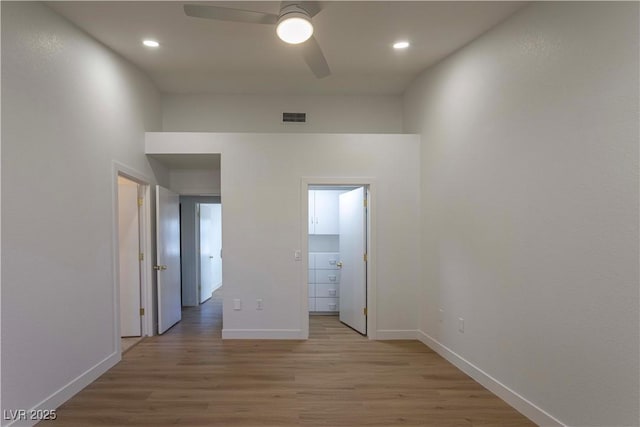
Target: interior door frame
<point>370,184</point>
<point>146,286</point>
<point>198,255</point>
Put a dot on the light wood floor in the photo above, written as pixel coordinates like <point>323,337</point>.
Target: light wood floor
<point>190,377</point>
<point>127,343</point>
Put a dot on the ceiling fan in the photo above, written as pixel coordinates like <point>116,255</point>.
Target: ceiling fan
<point>293,25</point>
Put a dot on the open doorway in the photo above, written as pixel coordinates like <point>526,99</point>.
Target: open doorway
<point>130,228</point>
<point>201,248</point>
<point>337,253</point>
<point>209,246</point>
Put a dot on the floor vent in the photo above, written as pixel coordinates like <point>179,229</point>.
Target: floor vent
<point>294,117</point>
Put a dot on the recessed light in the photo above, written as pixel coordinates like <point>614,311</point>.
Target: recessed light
<point>401,45</point>
<point>151,43</point>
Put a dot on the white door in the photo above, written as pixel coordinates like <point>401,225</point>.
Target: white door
<point>129,257</point>
<point>168,258</point>
<point>353,243</point>
<point>210,245</point>
<point>216,241</point>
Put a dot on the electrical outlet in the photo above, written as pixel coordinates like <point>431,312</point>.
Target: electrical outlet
<point>259,304</point>
<point>237,304</point>
<point>461,324</point>
<point>440,315</point>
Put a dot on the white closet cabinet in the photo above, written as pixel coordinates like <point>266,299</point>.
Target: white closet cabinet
<point>324,282</point>
<point>323,211</point>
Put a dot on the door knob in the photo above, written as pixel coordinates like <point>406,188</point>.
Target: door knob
<point>339,264</point>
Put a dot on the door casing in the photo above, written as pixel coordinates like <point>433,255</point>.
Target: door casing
<point>146,297</point>
<point>370,185</point>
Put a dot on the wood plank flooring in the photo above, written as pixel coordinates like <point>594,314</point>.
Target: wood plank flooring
<point>190,377</point>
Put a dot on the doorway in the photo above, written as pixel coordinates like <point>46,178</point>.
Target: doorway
<point>132,288</point>
<point>209,245</point>
<point>337,253</point>
<point>201,247</point>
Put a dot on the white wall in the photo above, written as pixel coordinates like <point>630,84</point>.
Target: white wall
<point>262,221</point>
<point>195,182</point>
<point>70,107</point>
<point>263,113</point>
<point>529,178</point>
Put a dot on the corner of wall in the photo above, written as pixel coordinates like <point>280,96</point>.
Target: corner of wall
<point>520,403</point>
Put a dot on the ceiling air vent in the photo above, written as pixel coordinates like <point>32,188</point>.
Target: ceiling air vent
<point>294,117</point>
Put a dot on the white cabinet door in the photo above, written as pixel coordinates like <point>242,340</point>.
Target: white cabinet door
<point>323,211</point>
<point>326,211</point>
<point>312,213</point>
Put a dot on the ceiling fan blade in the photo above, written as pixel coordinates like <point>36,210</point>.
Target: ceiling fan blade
<point>314,58</point>
<point>311,7</point>
<point>227,14</point>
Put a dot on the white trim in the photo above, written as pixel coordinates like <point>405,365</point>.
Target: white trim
<point>146,276</point>
<point>147,264</point>
<point>196,239</point>
<point>262,334</point>
<point>518,402</point>
<point>69,390</point>
<point>370,184</point>
<point>396,334</point>
<point>304,268</point>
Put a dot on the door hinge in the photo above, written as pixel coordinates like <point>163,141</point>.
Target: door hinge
<point>365,257</point>
<point>364,202</point>
<point>141,256</point>
<point>140,199</point>
<point>142,312</point>
<point>364,310</point>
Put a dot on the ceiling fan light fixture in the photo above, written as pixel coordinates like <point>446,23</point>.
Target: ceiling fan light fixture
<point>294,28</point>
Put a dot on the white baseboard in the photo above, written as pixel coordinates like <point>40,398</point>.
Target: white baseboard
<point>518,402</point>
<point>262,334</point>
<point>396,334</point>
<point>65,393</point>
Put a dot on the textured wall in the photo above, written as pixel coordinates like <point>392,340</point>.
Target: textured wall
<point>263,223</point>
<point>70,108</point>
<point>263,113</point>
<point>529,179</point>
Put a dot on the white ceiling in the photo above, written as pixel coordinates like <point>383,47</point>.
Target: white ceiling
<point>207,56</point>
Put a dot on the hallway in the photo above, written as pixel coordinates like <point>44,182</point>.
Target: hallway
<point>190,377</point>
